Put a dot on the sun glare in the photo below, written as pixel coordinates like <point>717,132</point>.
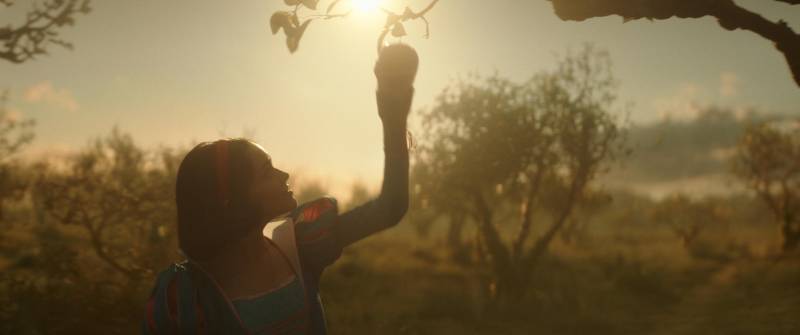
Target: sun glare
<point>366,6</point>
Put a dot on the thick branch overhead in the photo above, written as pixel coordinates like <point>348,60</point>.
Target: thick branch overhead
<point>729,14</point>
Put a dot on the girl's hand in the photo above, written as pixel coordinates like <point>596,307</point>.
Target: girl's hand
<point>395,70</point>
<point>396,67</point>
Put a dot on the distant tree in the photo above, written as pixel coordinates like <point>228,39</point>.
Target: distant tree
<point>103,221</point>
<point>684,217</point>
<point>729,15</point>
<point>15,133</point>
<point>768,161</point>
<point>121,198</point>
<point>20,42</point>
<point>701,224</point>
<point>491,144</point>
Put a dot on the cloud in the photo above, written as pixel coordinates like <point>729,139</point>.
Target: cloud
<point>44,92</point>
<point>729,84</point>
<point>683,105</point>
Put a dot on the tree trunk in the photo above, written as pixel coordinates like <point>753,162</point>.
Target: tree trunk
<point>459,251</point>
<point>791,235</point>
<point>454,231</point>
<point>500,257</point>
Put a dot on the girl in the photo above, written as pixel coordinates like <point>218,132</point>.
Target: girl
<point>243,276</point>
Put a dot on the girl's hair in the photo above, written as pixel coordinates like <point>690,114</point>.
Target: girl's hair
<point>211,196</point>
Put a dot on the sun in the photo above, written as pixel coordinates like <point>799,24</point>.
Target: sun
<point>366,6</point>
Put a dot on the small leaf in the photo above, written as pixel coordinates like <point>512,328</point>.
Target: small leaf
<point>292,42</point>
<point>311,4</point>
<point>279,20</point>
<point>295,20</point>
<point>293,36</point>
<point>398,30</point>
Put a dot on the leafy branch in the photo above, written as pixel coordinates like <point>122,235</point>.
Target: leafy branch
<point>40,29</point>
<point>293,28</point>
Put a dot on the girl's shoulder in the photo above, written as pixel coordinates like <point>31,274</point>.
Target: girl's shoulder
<point>314,220</point>
<point>315,226</point>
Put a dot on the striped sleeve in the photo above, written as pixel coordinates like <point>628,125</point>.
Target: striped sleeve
<point>314,230</point>
<point>168,309</point>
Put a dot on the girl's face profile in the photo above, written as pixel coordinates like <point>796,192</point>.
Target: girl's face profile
<point>270,190</point>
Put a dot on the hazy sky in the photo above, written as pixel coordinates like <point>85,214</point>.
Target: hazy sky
<point>173,72</point>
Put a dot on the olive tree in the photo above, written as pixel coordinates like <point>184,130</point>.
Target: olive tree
<point>15,133</point>
<point>490,144</point>
<point>768,161</point>
<point>121,197</point>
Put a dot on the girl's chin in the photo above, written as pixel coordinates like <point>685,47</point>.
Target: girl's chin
<point>291,204</point>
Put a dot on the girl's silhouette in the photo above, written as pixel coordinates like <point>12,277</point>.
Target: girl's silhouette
<point>245,276</point>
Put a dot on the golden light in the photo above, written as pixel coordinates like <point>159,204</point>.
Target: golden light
<point>366,6</point>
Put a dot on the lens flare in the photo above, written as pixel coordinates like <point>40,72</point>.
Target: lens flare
<point>366,6</point>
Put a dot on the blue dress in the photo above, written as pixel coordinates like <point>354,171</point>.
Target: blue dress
<point>281,311</point>
<point>186,300</point>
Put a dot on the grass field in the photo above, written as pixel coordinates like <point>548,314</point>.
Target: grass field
<point>396,284</point>
<point>605,279</point>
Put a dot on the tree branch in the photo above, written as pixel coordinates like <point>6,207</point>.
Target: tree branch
<point>22,43</point>
<point>494,244</point>
<point>95,236</point>
<point>729,15</point>
<point>543,242</point>
<point>527,215</point>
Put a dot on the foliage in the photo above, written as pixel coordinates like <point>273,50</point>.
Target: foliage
<point>120,197</point>
<point>691,219</point>
<point>768,161</point>
<point>98,225</point>
<point>40,28</point>
<point>15,134</point>
<point>628,276</point>
<point>687,218</point>
<point>290,22</point>
<point>535,146</point>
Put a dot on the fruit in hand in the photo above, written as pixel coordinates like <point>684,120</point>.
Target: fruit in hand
<point>396,67</point>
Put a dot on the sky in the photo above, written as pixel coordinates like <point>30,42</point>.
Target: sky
<point>175,72</point>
